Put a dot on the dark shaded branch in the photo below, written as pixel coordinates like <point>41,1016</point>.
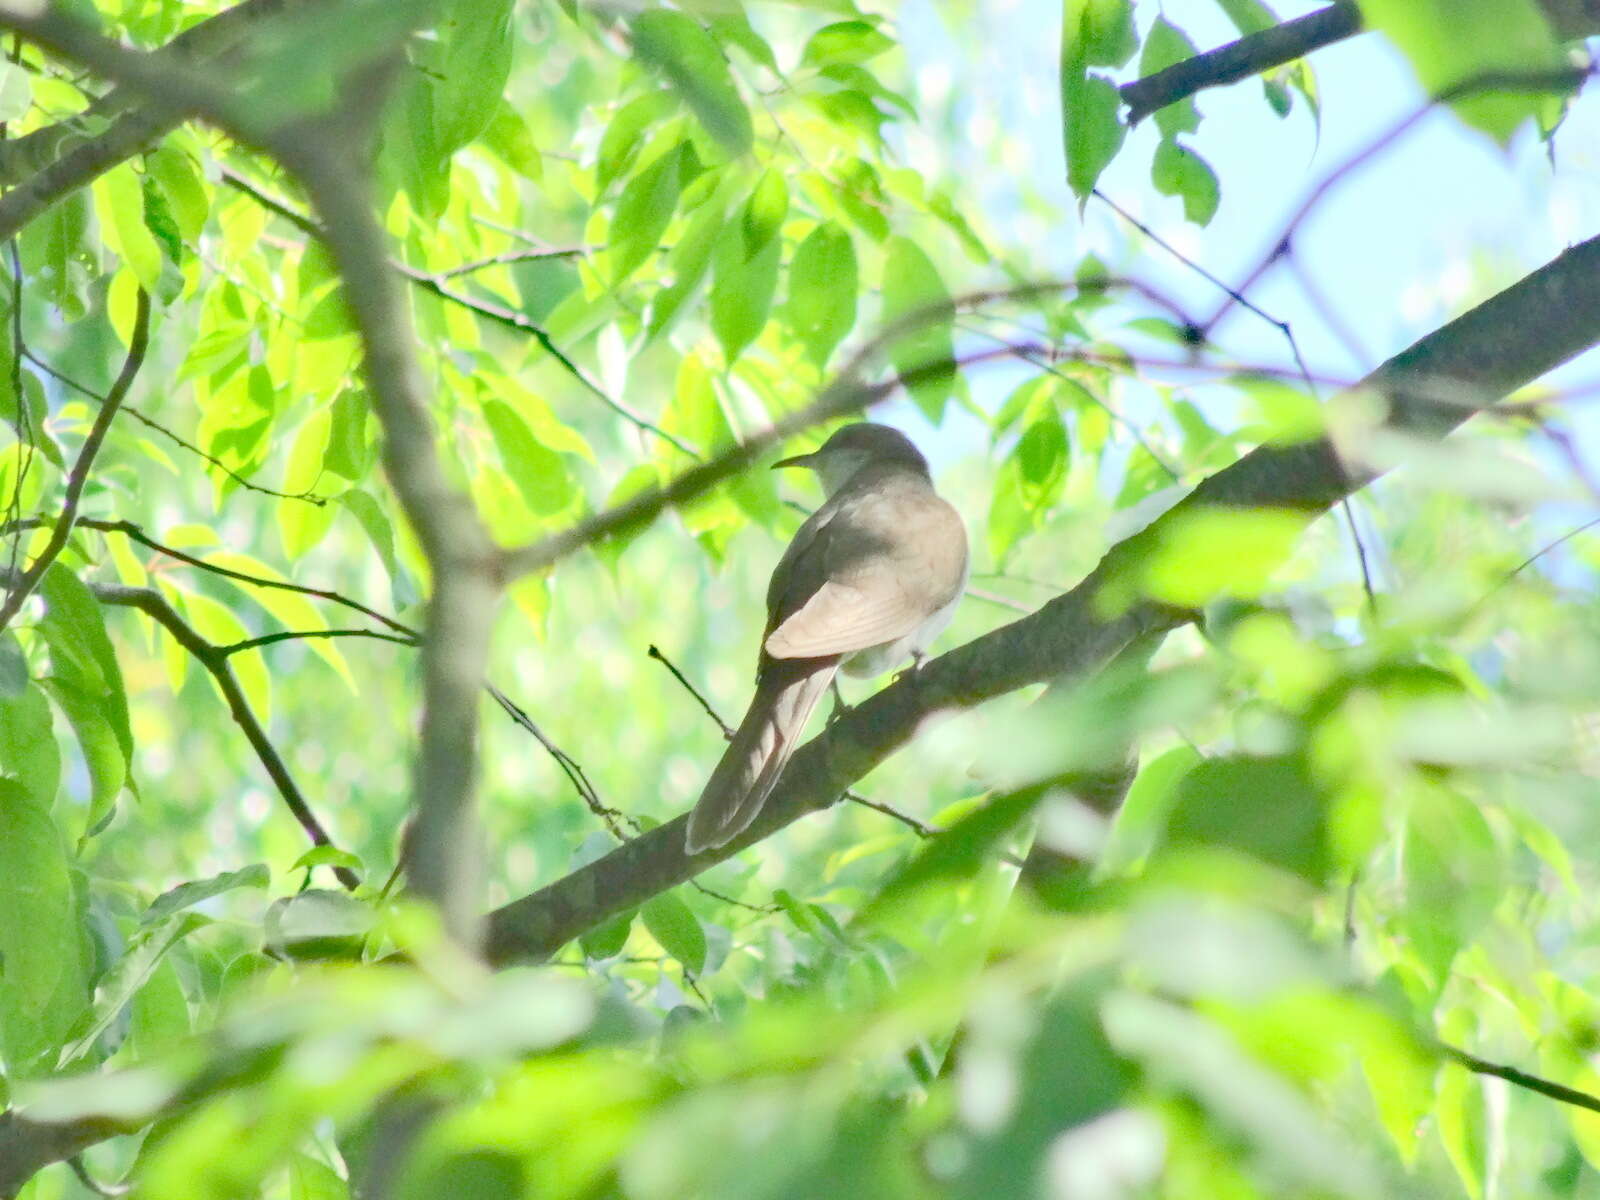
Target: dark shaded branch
<point>19,592</point>
<point>1250,55</point>
<point>40,182</point>
<point>28,1146</point>
<point>214,659</point>
<point>1504,343</point>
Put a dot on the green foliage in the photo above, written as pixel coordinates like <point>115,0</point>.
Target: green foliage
<point>1195,926</point>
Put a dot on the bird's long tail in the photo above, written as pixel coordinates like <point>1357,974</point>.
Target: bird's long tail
<point>786,692</point>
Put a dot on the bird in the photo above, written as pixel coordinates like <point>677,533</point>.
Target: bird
<point>870,579</point>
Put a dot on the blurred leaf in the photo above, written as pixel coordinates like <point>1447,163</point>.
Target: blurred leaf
<point>117,988</point>
<point>187,895</point>
<point>846,42</point>
<point>741,290</point>
<point>625,134</point>
<point>677,929</point>
<point>822,290</point>
<point>1266,807</point>
<point>539,473</point>
<point>643,212</point>
<point>470,69</point>
<point>692,63</point>
<point>98,742</point>
<point>28,752</point>
<point>1451,42</point>
<point>911,285</point>
<point>37,912</point>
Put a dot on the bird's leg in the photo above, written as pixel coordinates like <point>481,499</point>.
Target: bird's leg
<point>840,708</point>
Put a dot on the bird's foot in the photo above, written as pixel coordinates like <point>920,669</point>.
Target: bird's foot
<point>914,671</point>
<point>840,708</point>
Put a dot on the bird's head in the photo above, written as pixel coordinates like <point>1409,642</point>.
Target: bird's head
<point>854,447</point>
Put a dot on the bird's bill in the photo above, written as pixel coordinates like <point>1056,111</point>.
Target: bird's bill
<point>799,460</point>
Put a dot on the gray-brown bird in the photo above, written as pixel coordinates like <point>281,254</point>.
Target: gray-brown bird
<point>870,580</point>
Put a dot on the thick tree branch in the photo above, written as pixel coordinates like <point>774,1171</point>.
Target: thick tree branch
<point>78,479</point>
<point>136,123</point>
<point>443,850</point>
<point>1250,55</point>
<point>1504,343</point>
<point>215,660</point>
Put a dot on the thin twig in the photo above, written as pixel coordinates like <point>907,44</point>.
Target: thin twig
<point>512,257</point>
<point>655,653</point>
<point>79,477</point>
<point>1532,1083</point>
<point>1503,81</point>
<point>1287,331</point>
<point>268,639</point>
<point>152,423</point>
<point>154,605</point>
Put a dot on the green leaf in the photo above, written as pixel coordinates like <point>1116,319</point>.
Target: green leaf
<point>763,215</point>
<point>81,653</point>
<point>187,895</point>
<point>1248,16</point>
<point>1205,553</point>
<point>1459,1115</point>
<point>302,526</point>
<point>508,136</point>
<point>643,212</point>
<point>16,91</point>
<point>686,264</point>
<point>823,283</point>
<point>1033,475</point>
<point>1265,807</point>
<point>101,754</point>
<point>540,473</point>
<point>471,66</point>
<point>176,174</point>
<point>1452,42</point>
<point>352,449</point>
<point>1178,171</point>
<point>1165,46</point>
<point>411,158</point>
<point>28,751</point>
<point>37,906</point>
<point>690,60</point>
<point>1091,131</point>
<point>845,42</point>
<point>677,929</point>
<point>607,941</point>
<point>60,252</point>
<point>741,290</point>
<point>316,923</point>
<point>327,856</point>
<point>119,203</point>
<point>911,285</point>
<point>117,988</point>
<point>625,134</point>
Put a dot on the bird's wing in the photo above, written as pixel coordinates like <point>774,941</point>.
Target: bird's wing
<point>882,565</point>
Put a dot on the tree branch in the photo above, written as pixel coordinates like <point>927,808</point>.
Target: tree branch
<point>82,160</point>
<point>18,594</point>
<point>1504,343</point>
<point>1250,55</point>
<point>215,660</point>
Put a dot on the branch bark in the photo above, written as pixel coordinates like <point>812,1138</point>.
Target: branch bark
<point>1250,55</point>
<point>1432,387</point>
<point>134,125</point>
